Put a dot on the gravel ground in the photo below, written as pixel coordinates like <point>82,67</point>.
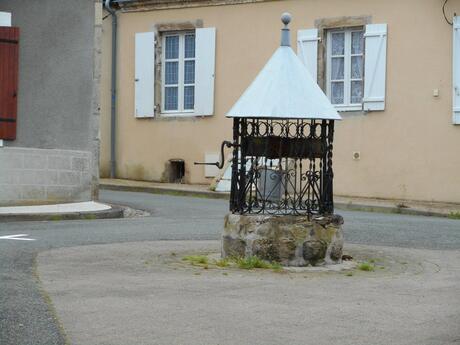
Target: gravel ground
<point>143,293</point>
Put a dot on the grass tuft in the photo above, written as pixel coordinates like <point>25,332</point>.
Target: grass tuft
<point>454,215</point>
<point>196,259</point>
<point>222,263</point>
<point>366,266</point>
<point>252,262</point>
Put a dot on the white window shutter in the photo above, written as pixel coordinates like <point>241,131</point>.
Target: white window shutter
<point>144,76</point>
<point>205,60</point>
<point>456,72</point>
<point>307,50</point>
<point>5,19</point>
<point>375,67</point>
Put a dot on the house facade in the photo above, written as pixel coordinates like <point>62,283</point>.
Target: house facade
<point>49,101</point>
<point>387,66</point>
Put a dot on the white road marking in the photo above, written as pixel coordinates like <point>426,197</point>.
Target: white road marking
<point>18,237</point>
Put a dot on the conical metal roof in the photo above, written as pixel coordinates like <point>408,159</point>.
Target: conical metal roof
<point>284,89</point>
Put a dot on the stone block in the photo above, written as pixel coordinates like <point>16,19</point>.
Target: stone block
<point>336,251</point>
<point>32,177</point>
<point>58,193</point>
<point>52,177</point>
<point>8,177</point>
<point>314,250</point>
<point>33,192</point>
<point>265,248</point>
<point>59,162</point>
<point>69,178</point>
<point>233,247</point>
<point>286,249</point>
<point>80,164</point>
<point>34,161</point>
<point>10,192</point>
<point>11,160</point>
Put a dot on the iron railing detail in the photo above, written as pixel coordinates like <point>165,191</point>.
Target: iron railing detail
<point>282,167</point>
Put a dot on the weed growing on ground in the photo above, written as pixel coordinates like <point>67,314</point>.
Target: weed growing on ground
<point>196,259</point>
<point>454,215</point>
<point>366,266</point>
<point>252,262</point>
<point>222,262</point>
<point>248,263</point>
<point>349,274</point>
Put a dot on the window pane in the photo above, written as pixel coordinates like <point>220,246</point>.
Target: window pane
<point>171,73</point>
<point>189,72</point>
<point>337,68</point>
<point>357,42</point>
<point>189,46</point>
<point>356,67</point>
<point>338,43</point>
<point>356,91</point>
<point>337,92</point>
<point>171,99</point>
<point>172,47</point>
<point>189,97</point>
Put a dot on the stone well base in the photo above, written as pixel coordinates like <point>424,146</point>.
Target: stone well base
<point>290,240</point>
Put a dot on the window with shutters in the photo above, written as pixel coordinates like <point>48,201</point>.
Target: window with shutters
<point>174,71</point>
<point>178,72</point>
<point>344,68</point>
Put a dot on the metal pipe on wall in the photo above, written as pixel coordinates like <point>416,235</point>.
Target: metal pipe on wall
<point>113,112</point>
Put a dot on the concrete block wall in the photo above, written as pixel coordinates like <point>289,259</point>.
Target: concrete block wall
<point>37,176</point>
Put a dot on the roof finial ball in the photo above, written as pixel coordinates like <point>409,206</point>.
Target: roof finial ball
<point>285,39</point>
<point>286,18</point>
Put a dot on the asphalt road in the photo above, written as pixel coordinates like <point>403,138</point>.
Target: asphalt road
<point>25,317</point>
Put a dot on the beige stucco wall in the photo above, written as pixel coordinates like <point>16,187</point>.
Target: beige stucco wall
<point>408,151</point>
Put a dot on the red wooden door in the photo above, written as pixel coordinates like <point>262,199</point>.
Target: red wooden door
<point>9,63</point>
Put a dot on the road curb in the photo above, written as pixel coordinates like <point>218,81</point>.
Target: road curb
<point>168,191</point>
<point>226,196</point>
<point>388,209</point>
<point>114,212</point>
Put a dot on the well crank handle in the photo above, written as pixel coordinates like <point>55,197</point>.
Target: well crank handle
<point>220,164</point>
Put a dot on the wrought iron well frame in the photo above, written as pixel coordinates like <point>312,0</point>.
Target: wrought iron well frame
<point>294,154</point>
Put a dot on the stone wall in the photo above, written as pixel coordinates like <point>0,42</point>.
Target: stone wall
<point>290,240</point>
<point>36,176</point>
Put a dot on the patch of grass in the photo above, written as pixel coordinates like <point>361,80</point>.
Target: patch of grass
<point>222,262</point>
<point>276,266</point>
<point>56,217</point>
<point>454,215</point>
<point>366,266</point>
<point>252,262</point>
<point>349,274</point>
<point>196,259</point>
<point>225,273</point>
<point>173,254</point>
<point>89,216</point>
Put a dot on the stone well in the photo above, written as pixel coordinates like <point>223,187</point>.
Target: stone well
<point>289,240</point>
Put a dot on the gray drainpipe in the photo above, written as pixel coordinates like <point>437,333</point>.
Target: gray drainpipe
<point>113,112</point>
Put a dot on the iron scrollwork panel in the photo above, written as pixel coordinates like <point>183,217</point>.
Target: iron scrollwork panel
<point>282,167</point>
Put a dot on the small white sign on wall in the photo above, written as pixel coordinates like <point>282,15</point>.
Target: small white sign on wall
<point>211,170</point>
<point>5,19</point>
